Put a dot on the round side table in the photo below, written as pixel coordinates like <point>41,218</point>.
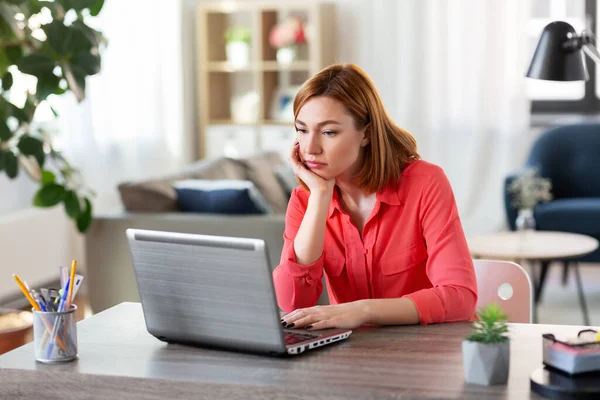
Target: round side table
<point>536,246</point>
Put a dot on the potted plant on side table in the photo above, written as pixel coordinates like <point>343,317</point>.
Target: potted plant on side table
<point>486,352</point>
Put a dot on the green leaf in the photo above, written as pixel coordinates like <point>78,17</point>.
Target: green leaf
<point>72,207</point>
<point>89,63</point>
<point>92,35</point>
<point>20,114</point>
<point>7,81</point>
<point>46,85</point>
<point>11,164</point>
<point>31,146</point>
<point>47,178</point>
<point>5,133</point>
<point>58,37</point>
<point>85,218</point>
<point>14,54</point>
<point>1,160</point>
<point>49,195</point>
<point>77,4</point>
<point>36,64</point>
<point>35,6</point>
<point>96,8</point>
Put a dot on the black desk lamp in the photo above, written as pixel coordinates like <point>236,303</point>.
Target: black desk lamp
<point>559,55</point>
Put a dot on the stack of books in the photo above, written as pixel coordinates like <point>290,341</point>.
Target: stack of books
<point>574,355</point>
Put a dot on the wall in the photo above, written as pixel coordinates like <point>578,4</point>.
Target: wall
<point>33,244</point>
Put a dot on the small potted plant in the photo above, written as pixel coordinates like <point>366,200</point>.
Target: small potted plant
<point>528,189</point>
<point>237,46</point>
<point>286,37</point>
<point>486,352</point>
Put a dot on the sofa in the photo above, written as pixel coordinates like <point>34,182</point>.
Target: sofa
<point>153,204</point>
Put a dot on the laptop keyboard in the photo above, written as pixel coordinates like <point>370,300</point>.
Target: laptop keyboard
<point>296,337</point>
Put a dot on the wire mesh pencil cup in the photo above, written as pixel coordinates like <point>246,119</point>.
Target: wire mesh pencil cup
<point>55,335</point>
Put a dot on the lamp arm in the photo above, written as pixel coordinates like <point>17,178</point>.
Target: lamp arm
<point>592,52</point>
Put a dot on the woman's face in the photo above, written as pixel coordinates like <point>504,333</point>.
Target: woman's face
<point>329,143</point>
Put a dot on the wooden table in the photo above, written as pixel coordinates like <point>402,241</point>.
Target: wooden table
<point>119,359</point>
<point>536,246</point>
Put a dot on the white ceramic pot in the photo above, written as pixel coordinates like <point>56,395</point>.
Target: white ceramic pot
<point>238,54</point>
<point>486,364</point>
<point>286,55</point>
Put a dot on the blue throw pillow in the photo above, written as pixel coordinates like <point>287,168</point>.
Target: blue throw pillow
<point>219,197</point>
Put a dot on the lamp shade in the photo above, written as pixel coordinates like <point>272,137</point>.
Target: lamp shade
<point>555,62</point>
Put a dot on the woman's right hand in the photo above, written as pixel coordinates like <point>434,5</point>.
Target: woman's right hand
<point>315,183</point>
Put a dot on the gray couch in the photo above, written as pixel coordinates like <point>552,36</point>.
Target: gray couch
<point>109,272</point>
<point>152,204</point>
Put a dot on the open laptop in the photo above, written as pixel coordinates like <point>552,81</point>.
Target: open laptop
<point>214,291</point>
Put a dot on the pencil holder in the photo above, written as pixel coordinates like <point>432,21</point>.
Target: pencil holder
<point>55,335</point>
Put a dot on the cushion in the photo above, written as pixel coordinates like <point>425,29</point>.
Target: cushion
<point>149,196</point>
<point>259,170</point>
<point>219,168</point>
<point>581,215</point>
<point>220,197</point>
<point>286,177</point>
<point>158,195</point>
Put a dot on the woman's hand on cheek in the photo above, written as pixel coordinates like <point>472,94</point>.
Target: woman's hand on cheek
<point>343,316</point>
<point>315,183</point>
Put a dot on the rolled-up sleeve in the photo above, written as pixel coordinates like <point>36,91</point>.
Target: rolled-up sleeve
<point>296,285</point>
<point>453,296</point>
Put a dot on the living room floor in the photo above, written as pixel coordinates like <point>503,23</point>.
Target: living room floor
<point>560,305</point>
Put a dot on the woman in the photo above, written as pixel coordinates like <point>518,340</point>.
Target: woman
<point>381,223</point>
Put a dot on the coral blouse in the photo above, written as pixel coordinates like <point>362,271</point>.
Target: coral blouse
<point>413,245</point>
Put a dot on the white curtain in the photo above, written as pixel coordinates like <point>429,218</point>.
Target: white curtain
<point>134,123</point>
<point>131,125</point>
<point>452,73</point>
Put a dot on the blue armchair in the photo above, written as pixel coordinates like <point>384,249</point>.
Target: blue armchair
<point>570,156</point>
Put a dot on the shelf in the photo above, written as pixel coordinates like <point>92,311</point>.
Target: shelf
<point>261,122</point>
<point>261,91</point>
<point>231,122</point>
<point>293,66</point>
<point>267,66</point>
<point>224,66</point>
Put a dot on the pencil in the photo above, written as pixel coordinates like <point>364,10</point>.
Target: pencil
<point>34,304</point>
<point>36,307</point>
<point>71,284</point>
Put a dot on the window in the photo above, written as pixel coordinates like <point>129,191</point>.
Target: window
<point>563,97</point>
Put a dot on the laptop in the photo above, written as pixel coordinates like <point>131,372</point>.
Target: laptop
<point>214,291</point>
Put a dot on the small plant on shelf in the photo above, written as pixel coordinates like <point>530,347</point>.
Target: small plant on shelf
<point>237,46</point>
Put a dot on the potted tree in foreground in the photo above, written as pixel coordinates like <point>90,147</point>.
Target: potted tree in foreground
<point>51,42</point>
<point>486,352</point>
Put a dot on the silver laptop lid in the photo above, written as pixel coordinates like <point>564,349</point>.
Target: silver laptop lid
<point>207,290</point>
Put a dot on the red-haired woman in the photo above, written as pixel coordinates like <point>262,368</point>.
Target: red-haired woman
<point>379,221</point>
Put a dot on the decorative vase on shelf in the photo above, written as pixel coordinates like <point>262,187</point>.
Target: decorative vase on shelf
<point>238,54</point>
<point>285,55</point>
<point>525,220</point>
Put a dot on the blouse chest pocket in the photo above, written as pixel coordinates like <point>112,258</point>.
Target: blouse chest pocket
<point>404,259</point>
<point>334,263</point>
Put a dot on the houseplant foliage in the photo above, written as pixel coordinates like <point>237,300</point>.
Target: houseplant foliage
<point>486,352</point>
<point>51,41</point>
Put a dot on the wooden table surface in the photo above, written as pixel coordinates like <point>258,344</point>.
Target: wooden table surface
<point>119,359</point>
<point>531,245</point>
